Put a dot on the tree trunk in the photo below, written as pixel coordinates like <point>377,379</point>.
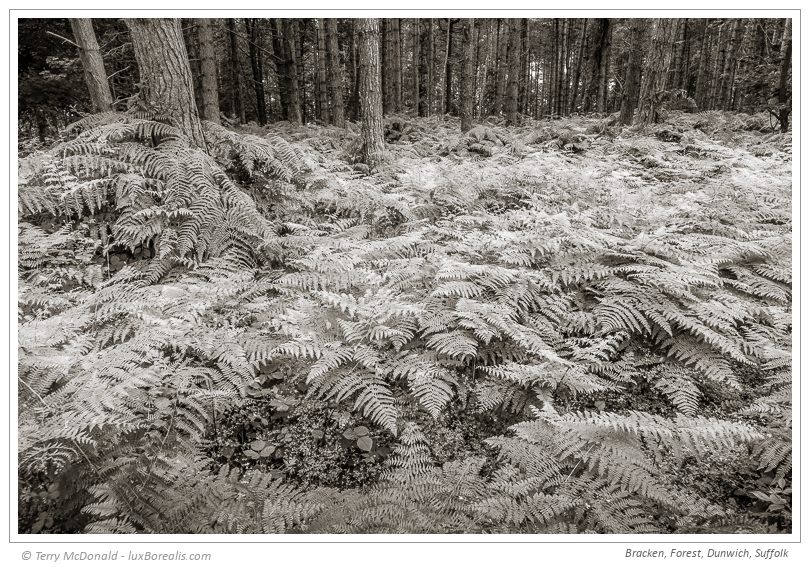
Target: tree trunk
<point>281,64</point>
<point>396,66</point>
<point>699,93</point>
<point>448,70</point>
<point>524,66</point>
<point>467,76</point>
<point>604,67</point>
<point>512,91</point>
<point>165,74</point>
<point>578,68</point>
<point>656,70</point>
<point>291,51</point>
<point>785,57</point>
<point>208,70</point>
<point>729,64</point>
<point>94,74</point>
<point>633,75</point>
<point>252,27</point>
<point>335,74</point>
<point>501,65</point>
<point>425,62</point>
<point>680,56</point>
<point>385,66</point>
<point>415,41</point>
<point>237,109</point>
<point>190,39</point>
<point>373,149</point>
<point>355,89</point>
<point>322,106</point>
<point>599,42</point>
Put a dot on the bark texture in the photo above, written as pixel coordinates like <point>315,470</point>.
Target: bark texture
<point>94,74</point>
<point>165,73</point>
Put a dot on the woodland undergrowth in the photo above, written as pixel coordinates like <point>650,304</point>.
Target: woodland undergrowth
<point>554,328</point>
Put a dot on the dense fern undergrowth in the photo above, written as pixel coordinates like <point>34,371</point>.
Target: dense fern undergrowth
<point>557,328</point>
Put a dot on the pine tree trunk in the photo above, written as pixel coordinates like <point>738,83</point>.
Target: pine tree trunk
<point>415,41</point>
<point>699,93</point>
<point>719,62</point>
<point>656,70</point>
<point>373,149</point>
<point>165,74</point>
<point>559,92</point>
<point>604,67</point>
<point>396,66</point>
<point>252,27</point>
<point>729,64</point>
<point>237,109</point>
<point>524,66</point>
<point>784,74</point>
<point>385,66</point>
<point>335,74</point>
<point>190,39</point>
<point>355,78</point>
<point>322,110</point>
<point>208,70</point>
<point>632,77</point>
<point>501,65</point>
<point>281,64</point>
<point>513,87</point>
<point>467,76</point>
<point>94,74</point>
<point>578,68</point>
<point>680,56</point>
<point>425,62</point>
<point>291,50</point>
<point>448,70</point>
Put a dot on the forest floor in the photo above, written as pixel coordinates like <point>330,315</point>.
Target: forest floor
<point>468,280</point>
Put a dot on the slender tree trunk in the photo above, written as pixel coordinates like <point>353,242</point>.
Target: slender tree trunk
<point>396,65</point>
<point>335,73</point>
<point>524,65</point>
<point>281,64</point>
<point>656,70</point>
<point>604,67</point>
<point>252,26</point>
<point>679,67</point>
<point>784,74</point>
<point>719,65</point>
<point>578,68</point>
<point>467,76</point>
<point>322,100</point>
<point>444,85</point>
<point>703,68</point>
<point>501,65</point>
<point>355,89</point>
<point>415,41</point>
<point>425,61</point>
<point>385,66</point>
<point>165,74</point>
<point>291,50</point>
<point>190,39</point>
<point>730,62</point>
<point>373,149</point>
<point>633,75</point>
<point>299,33</point>
<point>94,74</point>
<point>237,109</point>
<point>559,91</point>
<point>208,70</point>
<point>512,116</point>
